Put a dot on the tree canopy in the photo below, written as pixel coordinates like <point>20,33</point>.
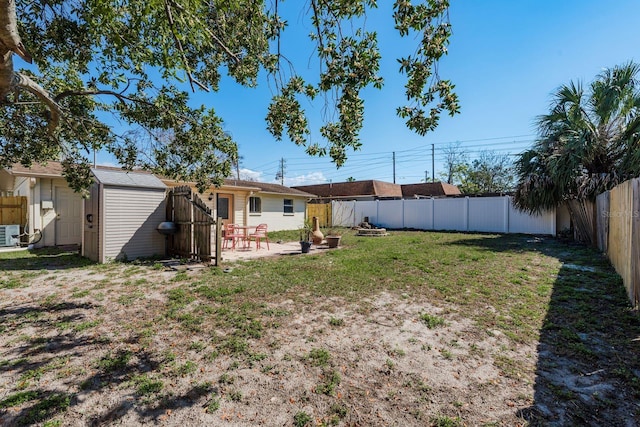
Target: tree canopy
<point>490,172</point>
<point>134,58</point>
<point>588,142</point>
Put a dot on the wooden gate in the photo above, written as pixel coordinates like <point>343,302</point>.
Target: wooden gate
<point>194,221</point>
<point>322,211</point>
<point>13,210</point>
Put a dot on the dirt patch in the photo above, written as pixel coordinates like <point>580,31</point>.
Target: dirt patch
<point>135,345</point>
<point>384,365</point>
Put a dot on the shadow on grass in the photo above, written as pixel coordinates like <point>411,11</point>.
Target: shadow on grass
<point>42,259</point>
<point>140,371</point>
<point>588,369</point>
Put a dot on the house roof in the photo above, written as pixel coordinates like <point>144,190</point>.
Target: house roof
<point>122,178</point>
<point>265,187</point>
<point>257,187</point>
<point>51,169</point>
<point>54,169</point>
<point>429,189</point>
<point>354,189</point>
<point>380,189</point>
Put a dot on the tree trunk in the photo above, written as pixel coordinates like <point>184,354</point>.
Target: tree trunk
<point>11,81</point>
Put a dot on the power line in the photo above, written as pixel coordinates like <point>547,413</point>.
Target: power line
<point>382,163</point>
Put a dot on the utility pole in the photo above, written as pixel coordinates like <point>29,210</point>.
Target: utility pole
<point>394,167</point>
<point>433,163</point>
<point>426,176</point>
<point>280,173</point>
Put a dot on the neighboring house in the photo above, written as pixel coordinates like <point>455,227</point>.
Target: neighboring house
<point>353,190</point>
<point>53,207</point>
<point>377,190</point>
<point>252,203</point>
<point>429,189</point>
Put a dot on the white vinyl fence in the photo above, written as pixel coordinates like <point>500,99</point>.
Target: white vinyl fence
<point>482,214</point>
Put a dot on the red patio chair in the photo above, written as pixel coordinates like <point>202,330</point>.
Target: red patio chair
<point>232,235</point>
<point>259,234</point>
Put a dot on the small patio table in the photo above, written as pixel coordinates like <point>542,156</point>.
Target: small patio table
<point>246,244</point>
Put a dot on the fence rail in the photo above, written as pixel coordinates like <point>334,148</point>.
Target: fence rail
<point>481,214</point>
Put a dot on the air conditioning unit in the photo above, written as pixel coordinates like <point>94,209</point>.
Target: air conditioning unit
<point>7,233</point>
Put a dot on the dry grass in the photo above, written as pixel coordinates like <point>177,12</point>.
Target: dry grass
<point>415,328</point>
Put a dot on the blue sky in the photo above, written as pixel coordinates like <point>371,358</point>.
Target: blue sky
<point>505,58</point>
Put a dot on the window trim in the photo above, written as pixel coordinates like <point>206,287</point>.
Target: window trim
<point>285,206</point>
<point>252,210</point>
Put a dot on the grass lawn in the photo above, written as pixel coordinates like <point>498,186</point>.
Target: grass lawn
<point>416,328</point>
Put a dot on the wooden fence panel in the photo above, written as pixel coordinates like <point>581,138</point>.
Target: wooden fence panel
<point>602,220</point>
<point>634,286</point>
<point>322,211</point>
<point>13,210</point>
<point>619,246</point>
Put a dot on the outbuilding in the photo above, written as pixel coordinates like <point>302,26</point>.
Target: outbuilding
<point>121,216</point>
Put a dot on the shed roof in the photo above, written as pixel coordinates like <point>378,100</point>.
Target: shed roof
<point>127,179</point>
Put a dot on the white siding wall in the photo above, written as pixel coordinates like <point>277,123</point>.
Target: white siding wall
<point>131,216</point>
<point>482,214</point>
<point>44,220</point>
<point>273,213</point>
<point>239,206</point>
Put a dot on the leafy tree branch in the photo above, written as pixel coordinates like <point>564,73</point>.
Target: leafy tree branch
<point>93,58</point>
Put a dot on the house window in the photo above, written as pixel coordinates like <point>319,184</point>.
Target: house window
<point>255,205</point>
<point>288,206</point>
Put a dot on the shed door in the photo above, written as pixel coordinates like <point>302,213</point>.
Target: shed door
<point>68,221</point>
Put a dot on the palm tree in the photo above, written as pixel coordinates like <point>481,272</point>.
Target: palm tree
<point>588,143</point>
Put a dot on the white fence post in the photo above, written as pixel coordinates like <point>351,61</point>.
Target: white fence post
<point>507,204</point>
<point>466,213</point>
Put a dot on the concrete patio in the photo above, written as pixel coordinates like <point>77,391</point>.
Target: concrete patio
<point>275,249</point>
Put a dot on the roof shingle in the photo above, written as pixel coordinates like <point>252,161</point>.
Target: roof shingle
<point>353,189</point>
<point>429,189</point>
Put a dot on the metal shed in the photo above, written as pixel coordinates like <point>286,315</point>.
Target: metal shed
<point>121,216</point>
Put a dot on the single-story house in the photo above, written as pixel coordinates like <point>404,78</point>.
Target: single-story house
<point>114,231</point>
<point>252,203</point>
<point>376,190</point>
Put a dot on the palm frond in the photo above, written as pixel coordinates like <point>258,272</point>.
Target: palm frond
<point>588,142</point>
